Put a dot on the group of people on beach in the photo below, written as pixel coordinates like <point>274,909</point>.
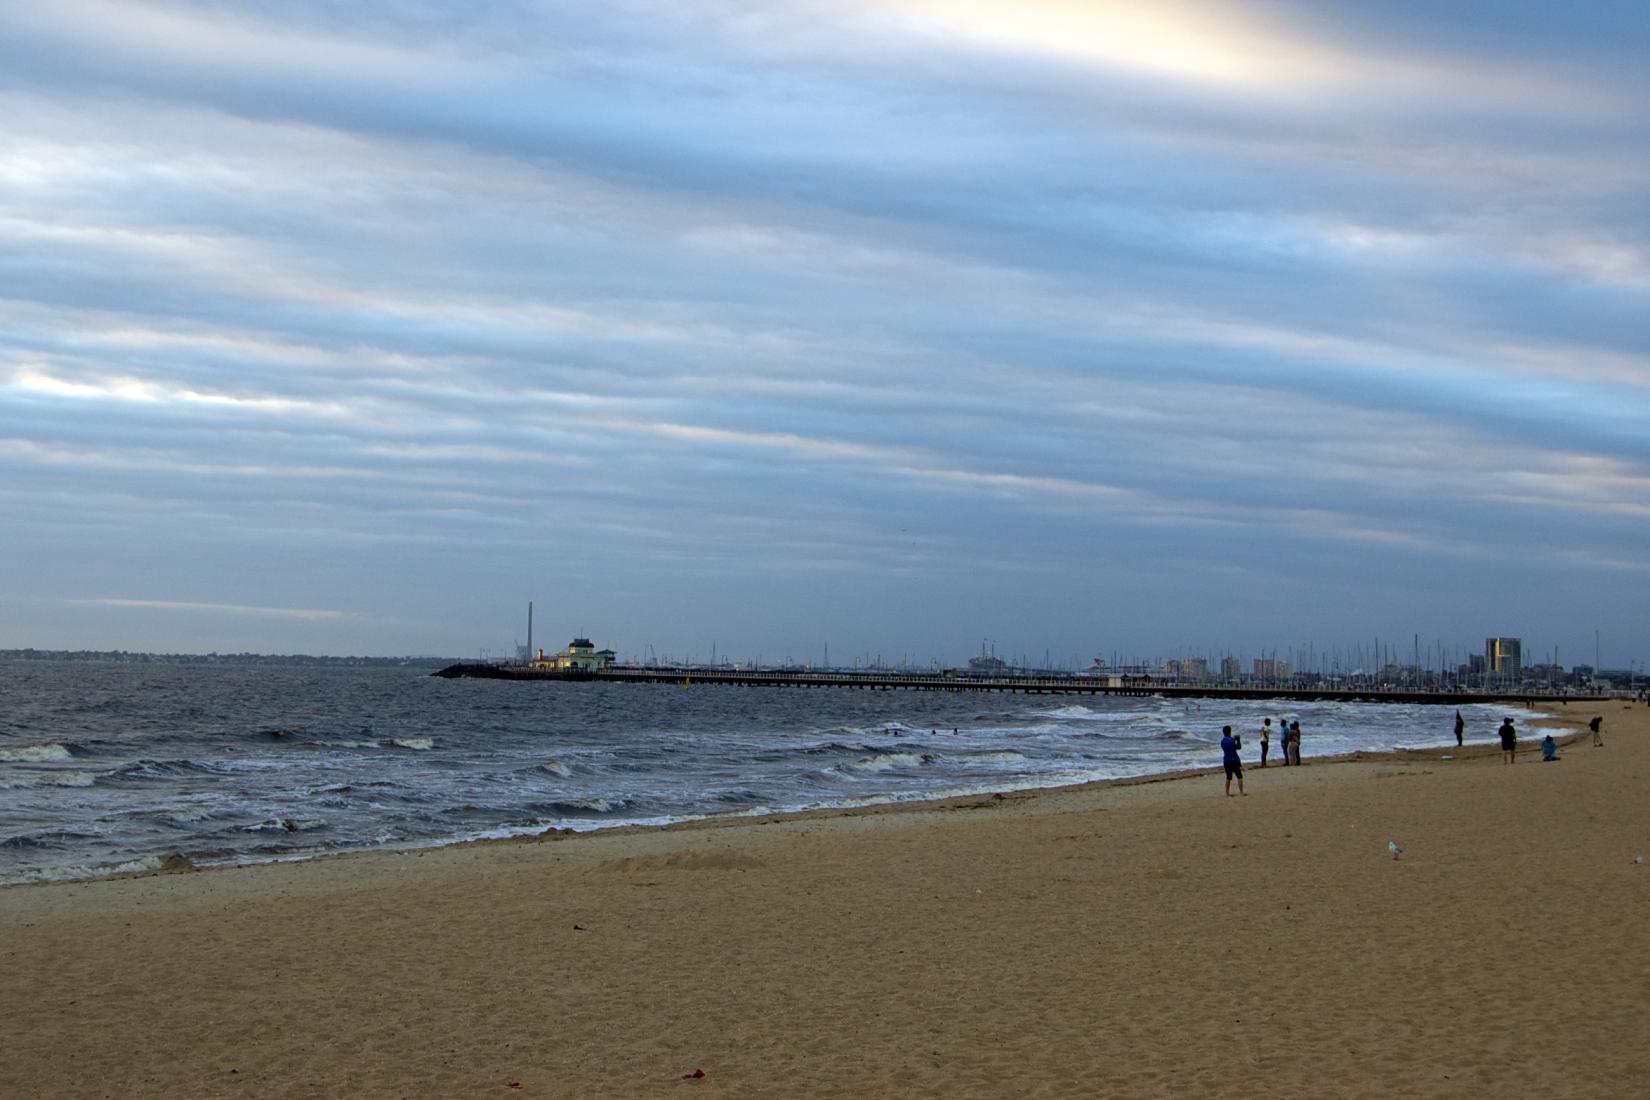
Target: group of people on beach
<point>1289,741</point>
<point>1231,743</point>
<point>1509,738</point>
<point>1549,746</point>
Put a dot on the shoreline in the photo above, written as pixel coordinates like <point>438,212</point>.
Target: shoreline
<point>181,863</point>
<point>1135,937</point>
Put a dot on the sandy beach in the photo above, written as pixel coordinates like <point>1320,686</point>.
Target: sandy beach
<point>1136,939</point>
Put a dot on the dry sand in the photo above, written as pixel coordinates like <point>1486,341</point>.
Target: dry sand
<point>1151,939</point>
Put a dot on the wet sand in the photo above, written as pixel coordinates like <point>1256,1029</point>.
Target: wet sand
<point>1139,939</point>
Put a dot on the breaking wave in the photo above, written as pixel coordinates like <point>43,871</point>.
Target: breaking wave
<point>888,761</point>
<point>286,825</point>
<point>588,806</point>
<point>48,779</point>
<point>51,752</point>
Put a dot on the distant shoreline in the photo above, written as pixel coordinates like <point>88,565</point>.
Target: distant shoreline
<point>124,657</point>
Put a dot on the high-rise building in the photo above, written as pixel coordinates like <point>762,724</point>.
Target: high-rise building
<point>1504,657</point>
<point>1230,668</point>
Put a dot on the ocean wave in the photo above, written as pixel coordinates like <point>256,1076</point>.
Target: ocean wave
<point>81,872</point>
<point>286,825</point>
<point>416,744</point>
<point>48,753</point>
<point>984,758</point>
<point>48,779</point>
<point>888,761</point>
<point>51,838</point>
<point>587,806</point>
<point>743,796</point>
<point>1160,734</point>
<point>555,768</point>
<point>1078,713</point>
<point>185,817</point>
<point>836,747</point>
<point>166,769</point>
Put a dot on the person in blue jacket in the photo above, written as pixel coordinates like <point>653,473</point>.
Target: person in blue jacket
<point>1229,746</point>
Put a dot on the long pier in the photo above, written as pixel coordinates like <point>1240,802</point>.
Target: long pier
<point>882,680</point>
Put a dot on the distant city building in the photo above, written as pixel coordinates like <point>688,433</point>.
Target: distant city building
<point>1230,668</point>
<point>1194,668</point>
<point>1504,657</point>
<point>1265,668</point>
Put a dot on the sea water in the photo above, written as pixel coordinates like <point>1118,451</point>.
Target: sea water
<point>111,768</point>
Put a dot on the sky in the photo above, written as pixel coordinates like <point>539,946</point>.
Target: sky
<point>886,329</point>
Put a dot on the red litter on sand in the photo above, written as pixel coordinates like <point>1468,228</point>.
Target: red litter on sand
<point>694,1074</point>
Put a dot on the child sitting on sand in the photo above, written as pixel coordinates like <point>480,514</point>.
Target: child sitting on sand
<point>1549,749</point>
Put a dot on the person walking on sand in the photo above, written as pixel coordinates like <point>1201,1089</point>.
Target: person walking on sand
<point>1460,727</point>
<point>1598,741</point>
<point>1509,740</point>
<point>1229,746</point>
<point>1265,740</point>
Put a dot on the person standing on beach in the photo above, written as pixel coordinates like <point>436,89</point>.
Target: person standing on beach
<point>1265,740</point>
<point>1598,741</point>
<point>1295,742</point>
<point>1509,740</point>
<point>1229,747</point>
<point>1460,727</point>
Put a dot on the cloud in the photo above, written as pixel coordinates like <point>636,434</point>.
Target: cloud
<point>302,613</point>
<point>430,303</point>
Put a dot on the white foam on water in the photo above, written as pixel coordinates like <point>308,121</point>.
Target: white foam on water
<point>48,779</point>
<point>286,825</point>
<point>81,872</point>
<point>887,762</point>
<point>985,758</point>
<point>186,817</point>
<point>416,744</point>
<point>36,754</point>
<point>556,768</point>
<point>595,805</point>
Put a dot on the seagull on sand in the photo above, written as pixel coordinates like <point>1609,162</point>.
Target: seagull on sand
<point>1392,846</point>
